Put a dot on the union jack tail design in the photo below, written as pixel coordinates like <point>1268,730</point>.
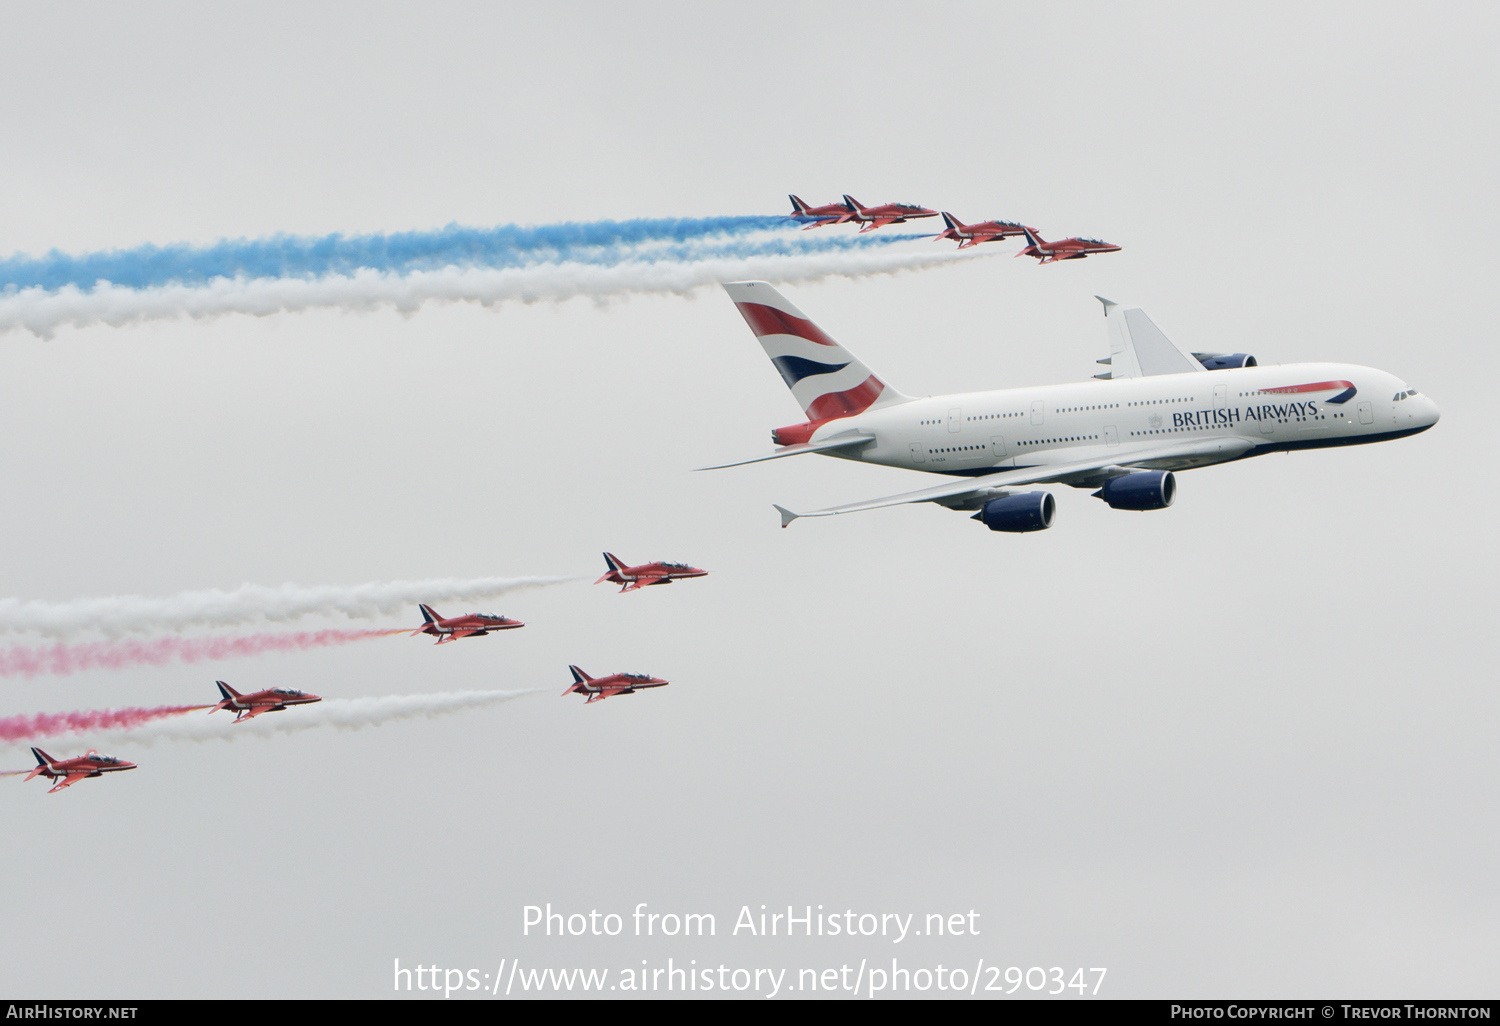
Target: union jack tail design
<point>579,680</point>
<point>825,378</point>
<point>43,761</point>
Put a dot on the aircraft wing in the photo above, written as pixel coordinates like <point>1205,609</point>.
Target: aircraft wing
<point>1138,348</point>
<point>1223,448</point>
<point>842,442</point>
<point>69,780</point>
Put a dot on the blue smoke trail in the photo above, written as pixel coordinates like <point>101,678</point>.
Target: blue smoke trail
<point>291,256</point>
<point>708,249</point>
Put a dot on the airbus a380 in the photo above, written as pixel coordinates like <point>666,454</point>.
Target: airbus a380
<point>1159,409</point>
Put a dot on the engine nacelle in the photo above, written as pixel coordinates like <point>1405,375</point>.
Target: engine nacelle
<point>1143,490</point>
<point>1225,361</point>
<point>1029,511</point>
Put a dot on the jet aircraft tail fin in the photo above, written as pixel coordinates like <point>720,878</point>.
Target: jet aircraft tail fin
<point>798,207</point>
<point>852,203</point>
<point>428,616</point>
<point>951,222</point>
<point>826,379</point>
<point>579,679</point>
<point>43,761</point>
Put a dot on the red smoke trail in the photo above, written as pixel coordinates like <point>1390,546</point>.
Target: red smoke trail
<point>26,728</point>
<point>60,659</point>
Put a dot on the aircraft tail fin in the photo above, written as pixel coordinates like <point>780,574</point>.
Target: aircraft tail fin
<point>615,566</point>
<point>798,207</point>
<point>428,616</point>
<point>43,761</point>
<point>227,691</point>
<point>826,379</point>
<point>951,222</point>
<point>852,203</point>
<point>579,679</point>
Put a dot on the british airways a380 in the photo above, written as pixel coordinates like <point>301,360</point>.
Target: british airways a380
<point>1158,409</point>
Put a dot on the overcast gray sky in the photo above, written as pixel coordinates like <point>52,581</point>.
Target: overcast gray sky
<point>1241,747</point>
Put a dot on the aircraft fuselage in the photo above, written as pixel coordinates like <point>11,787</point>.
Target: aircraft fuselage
<point>1259,409</point>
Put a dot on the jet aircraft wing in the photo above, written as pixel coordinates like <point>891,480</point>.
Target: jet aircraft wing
<point>1138,348</point>
<point>1047,474</point>
<point>68,781</point>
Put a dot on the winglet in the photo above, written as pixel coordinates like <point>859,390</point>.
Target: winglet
<point>787,516</point>
<point>1109,305</point>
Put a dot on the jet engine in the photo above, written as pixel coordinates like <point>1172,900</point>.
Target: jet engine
<point>1142,490</point>
<point>1225,361</point>
<point>1029,511</point>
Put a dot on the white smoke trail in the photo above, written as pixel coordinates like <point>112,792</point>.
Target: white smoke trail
<point>249,603</point>
<point>340,713</point>
<point>42,312</point>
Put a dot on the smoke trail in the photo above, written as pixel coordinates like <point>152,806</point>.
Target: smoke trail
<point>28,729</point>
<point>291,256</point>
<point>341,713</point>
<point>249,603</point>
<point>60,660</point>
<point>42,312</point>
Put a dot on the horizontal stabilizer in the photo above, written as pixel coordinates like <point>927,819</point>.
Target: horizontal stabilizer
<point>843,442</point>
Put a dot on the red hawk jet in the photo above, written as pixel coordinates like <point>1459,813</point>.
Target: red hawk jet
<point>607,687</point>
<point>455,627</point>
<point>832,213</point>
<point>973,234</point>
<point>633,577</point>
<point>247,707</point>
<point>1067,249</point>
<point>889,213</point>
<point>90,764</point>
